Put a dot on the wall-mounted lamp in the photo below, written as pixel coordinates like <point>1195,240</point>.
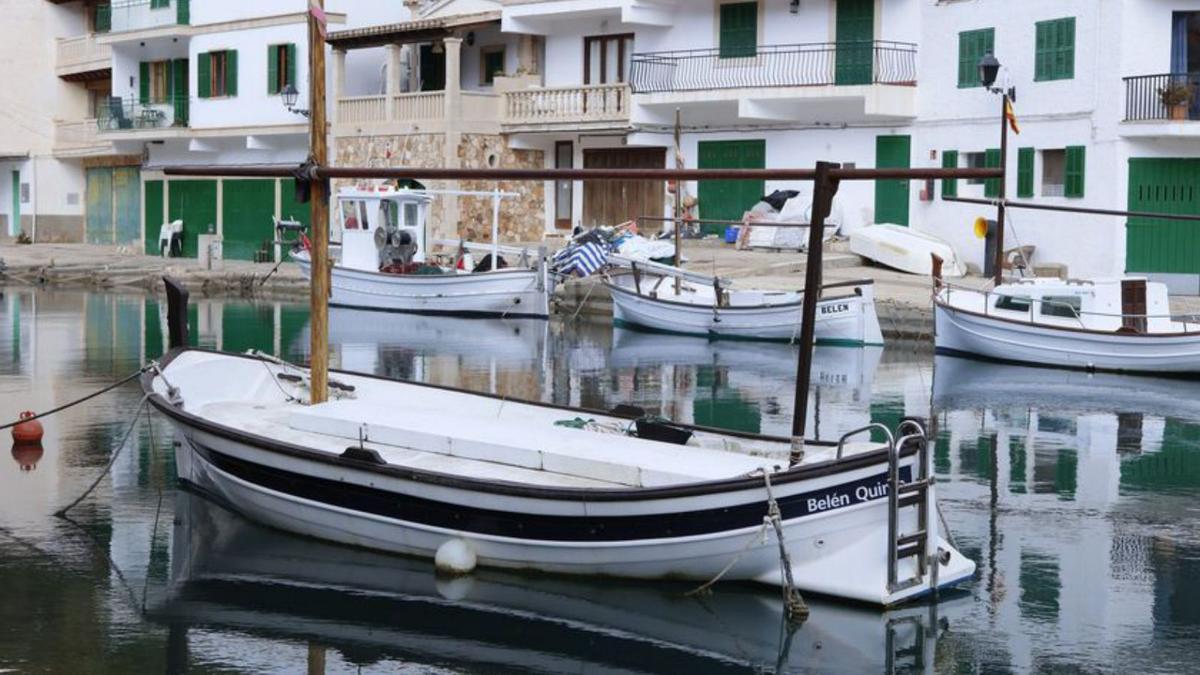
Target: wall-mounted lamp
<point>289,96</point>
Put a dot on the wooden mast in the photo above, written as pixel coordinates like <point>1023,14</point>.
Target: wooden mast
<point>319,202</point>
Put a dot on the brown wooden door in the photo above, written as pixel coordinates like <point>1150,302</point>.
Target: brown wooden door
<point>1133,305</point>
<point>611,202</point>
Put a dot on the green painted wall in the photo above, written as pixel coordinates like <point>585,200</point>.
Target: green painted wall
<point>247,207</point>
<point>290,209</point>
<point>154,214</point>
<point>194,202</point>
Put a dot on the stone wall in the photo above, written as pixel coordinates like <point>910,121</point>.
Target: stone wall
<point>522,219</point>
<point>59,229</point>
<point>423,150</point>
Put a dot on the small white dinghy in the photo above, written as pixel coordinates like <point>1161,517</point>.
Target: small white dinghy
<point>648,297</point>
<point>1122,324</point>
<point>385,262</point>
<point>905,249</point>
<point>391,465</point>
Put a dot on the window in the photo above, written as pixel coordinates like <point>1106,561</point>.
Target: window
<point>353,217</point>
<point>1054,58</point>
<point>412,215</point>
<point>949,161</point>
<point>975,160</point>
<point>159,4</point>
<point>281,67</point>
<point>1025,158</point>
<point>159,74</point>
<point>738,29</point>
<point>216,74</point>
<point>1015,303</point>
<point>564,157</point>
<point>102,18</point>
<point>1066,306</point>
<point>491,64</point>
<point>972,45</point>
<point>1054,166</point>
<point>606,58</point>
<point>1073,174</point>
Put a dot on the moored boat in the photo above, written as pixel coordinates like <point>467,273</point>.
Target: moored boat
<point>904,249</point>
<point>1122,324</point>
<point>385,262</point>
<point>389,465</point>
<point>654,300</point>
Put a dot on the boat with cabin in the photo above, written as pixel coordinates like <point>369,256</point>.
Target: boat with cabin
<point>385,260</point>
<point>1121,324</point>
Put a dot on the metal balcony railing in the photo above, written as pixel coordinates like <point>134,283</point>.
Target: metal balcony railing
<point>125,15</point>
<point>1157,97</point>
<point>796,65</point>
<point>129,115</point>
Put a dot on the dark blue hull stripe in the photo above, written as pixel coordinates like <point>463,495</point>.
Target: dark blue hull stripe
<point>462,517</point>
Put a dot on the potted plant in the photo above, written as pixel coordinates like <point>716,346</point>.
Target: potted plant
<point>1176,96</point>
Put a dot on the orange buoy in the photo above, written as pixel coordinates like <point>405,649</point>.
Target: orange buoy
<point>27,455</point>
<point>29,431</point>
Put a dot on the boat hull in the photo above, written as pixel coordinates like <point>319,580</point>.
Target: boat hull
<point>969,333</point>
<point>510,292</point>
<point>849,319</point>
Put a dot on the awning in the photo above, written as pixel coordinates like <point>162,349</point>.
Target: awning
<point>14,156</point>
<point>407,32</point>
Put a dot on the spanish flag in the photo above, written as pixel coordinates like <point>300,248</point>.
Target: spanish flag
<point>1011,116</point>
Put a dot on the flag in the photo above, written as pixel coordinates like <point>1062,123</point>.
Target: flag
<point>318,12</point>
<point>1011,116</point>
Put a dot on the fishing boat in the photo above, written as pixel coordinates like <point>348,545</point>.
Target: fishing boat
<point>904,249</point>
<point>1120,324</point>
<point>384,260</point>
<point>658,297</point>
<point>390,465</point>
<point>245,585</point>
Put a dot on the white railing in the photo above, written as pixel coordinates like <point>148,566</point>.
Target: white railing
<point>77,54</point>
<point>362,109</point>
<point>590,103</point>
<point>419,105</point>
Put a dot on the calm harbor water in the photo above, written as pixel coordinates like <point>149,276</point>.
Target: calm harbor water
<point>1076,495</point>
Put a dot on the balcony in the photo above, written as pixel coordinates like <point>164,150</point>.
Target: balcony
<point>128,120</point>
<point>82,58</point>
<point>1162,106</point>
<point>589,107</point>
<point>80,138</point>
<point>141,18</point>
<point>808,83</point>
<point>417,112</point>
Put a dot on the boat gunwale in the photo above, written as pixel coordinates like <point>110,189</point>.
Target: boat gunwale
<point>508,488</point>
<point>743,308</point>
<point>459,278</point>
<point>946,306</point>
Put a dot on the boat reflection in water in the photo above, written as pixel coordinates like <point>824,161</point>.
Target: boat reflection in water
<point>235,584</point>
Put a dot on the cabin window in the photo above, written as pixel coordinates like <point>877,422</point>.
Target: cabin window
<point>1015,303</point>
<point>353,216</point>
<point>1066,306</point>
<point>412,214</point>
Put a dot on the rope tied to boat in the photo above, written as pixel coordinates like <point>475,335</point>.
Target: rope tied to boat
<point>61,513</point>
<point>794,606</point>
<point>82,399</point>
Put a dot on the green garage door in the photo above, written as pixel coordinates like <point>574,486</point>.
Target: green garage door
<point>730,199</point>
<point>154,214</point>
<point>99,206</point>
<point>114,197</point>
<point>855,41</point>
<point>247,207</point>
<point>891,196</point>
<point>1163,186</point>
<point>290,209</point>
<point>195,203</point>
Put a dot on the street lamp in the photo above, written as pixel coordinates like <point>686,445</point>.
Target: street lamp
<point>989,69</point>
<point>289,96</point>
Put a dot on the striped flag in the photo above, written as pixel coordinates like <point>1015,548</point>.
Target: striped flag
<point>1011,116</point>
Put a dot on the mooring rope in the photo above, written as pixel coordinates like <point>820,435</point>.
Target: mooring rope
<point>61,513</point>
<point>90,396</point>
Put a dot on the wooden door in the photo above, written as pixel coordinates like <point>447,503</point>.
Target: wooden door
<point>1133,305</point>
<point>611,202</point>
<point>729,199</point>
<point>855,41</point>
<point>891,196</point>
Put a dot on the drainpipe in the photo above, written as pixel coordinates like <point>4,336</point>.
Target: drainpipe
<point>33,198</point>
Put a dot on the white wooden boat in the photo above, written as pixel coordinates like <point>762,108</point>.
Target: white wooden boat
<point>394,466</point>
<point>243,583</point>
<point>905,249</point>
<point>1122,324</point>
<point>384,262</point>
<point>653,300</point>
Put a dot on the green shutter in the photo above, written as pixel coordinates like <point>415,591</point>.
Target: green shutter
<point>1025,172</point>
<point>231,72</point>
<point>179,91</point>
<point>273,69</point>
<point>291,65</point>
<point>1074,180</point>
<point>144,82</point>
<point>972,45</point>
<point>739,29</point>
<point>949,161</point>
<point>1054,56</point>
<point>159,4</point>
<point>103,18</point>
<point>855,35</point>
<point>204,75</point>
<point>991,160</point>
<point>183,15</point>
